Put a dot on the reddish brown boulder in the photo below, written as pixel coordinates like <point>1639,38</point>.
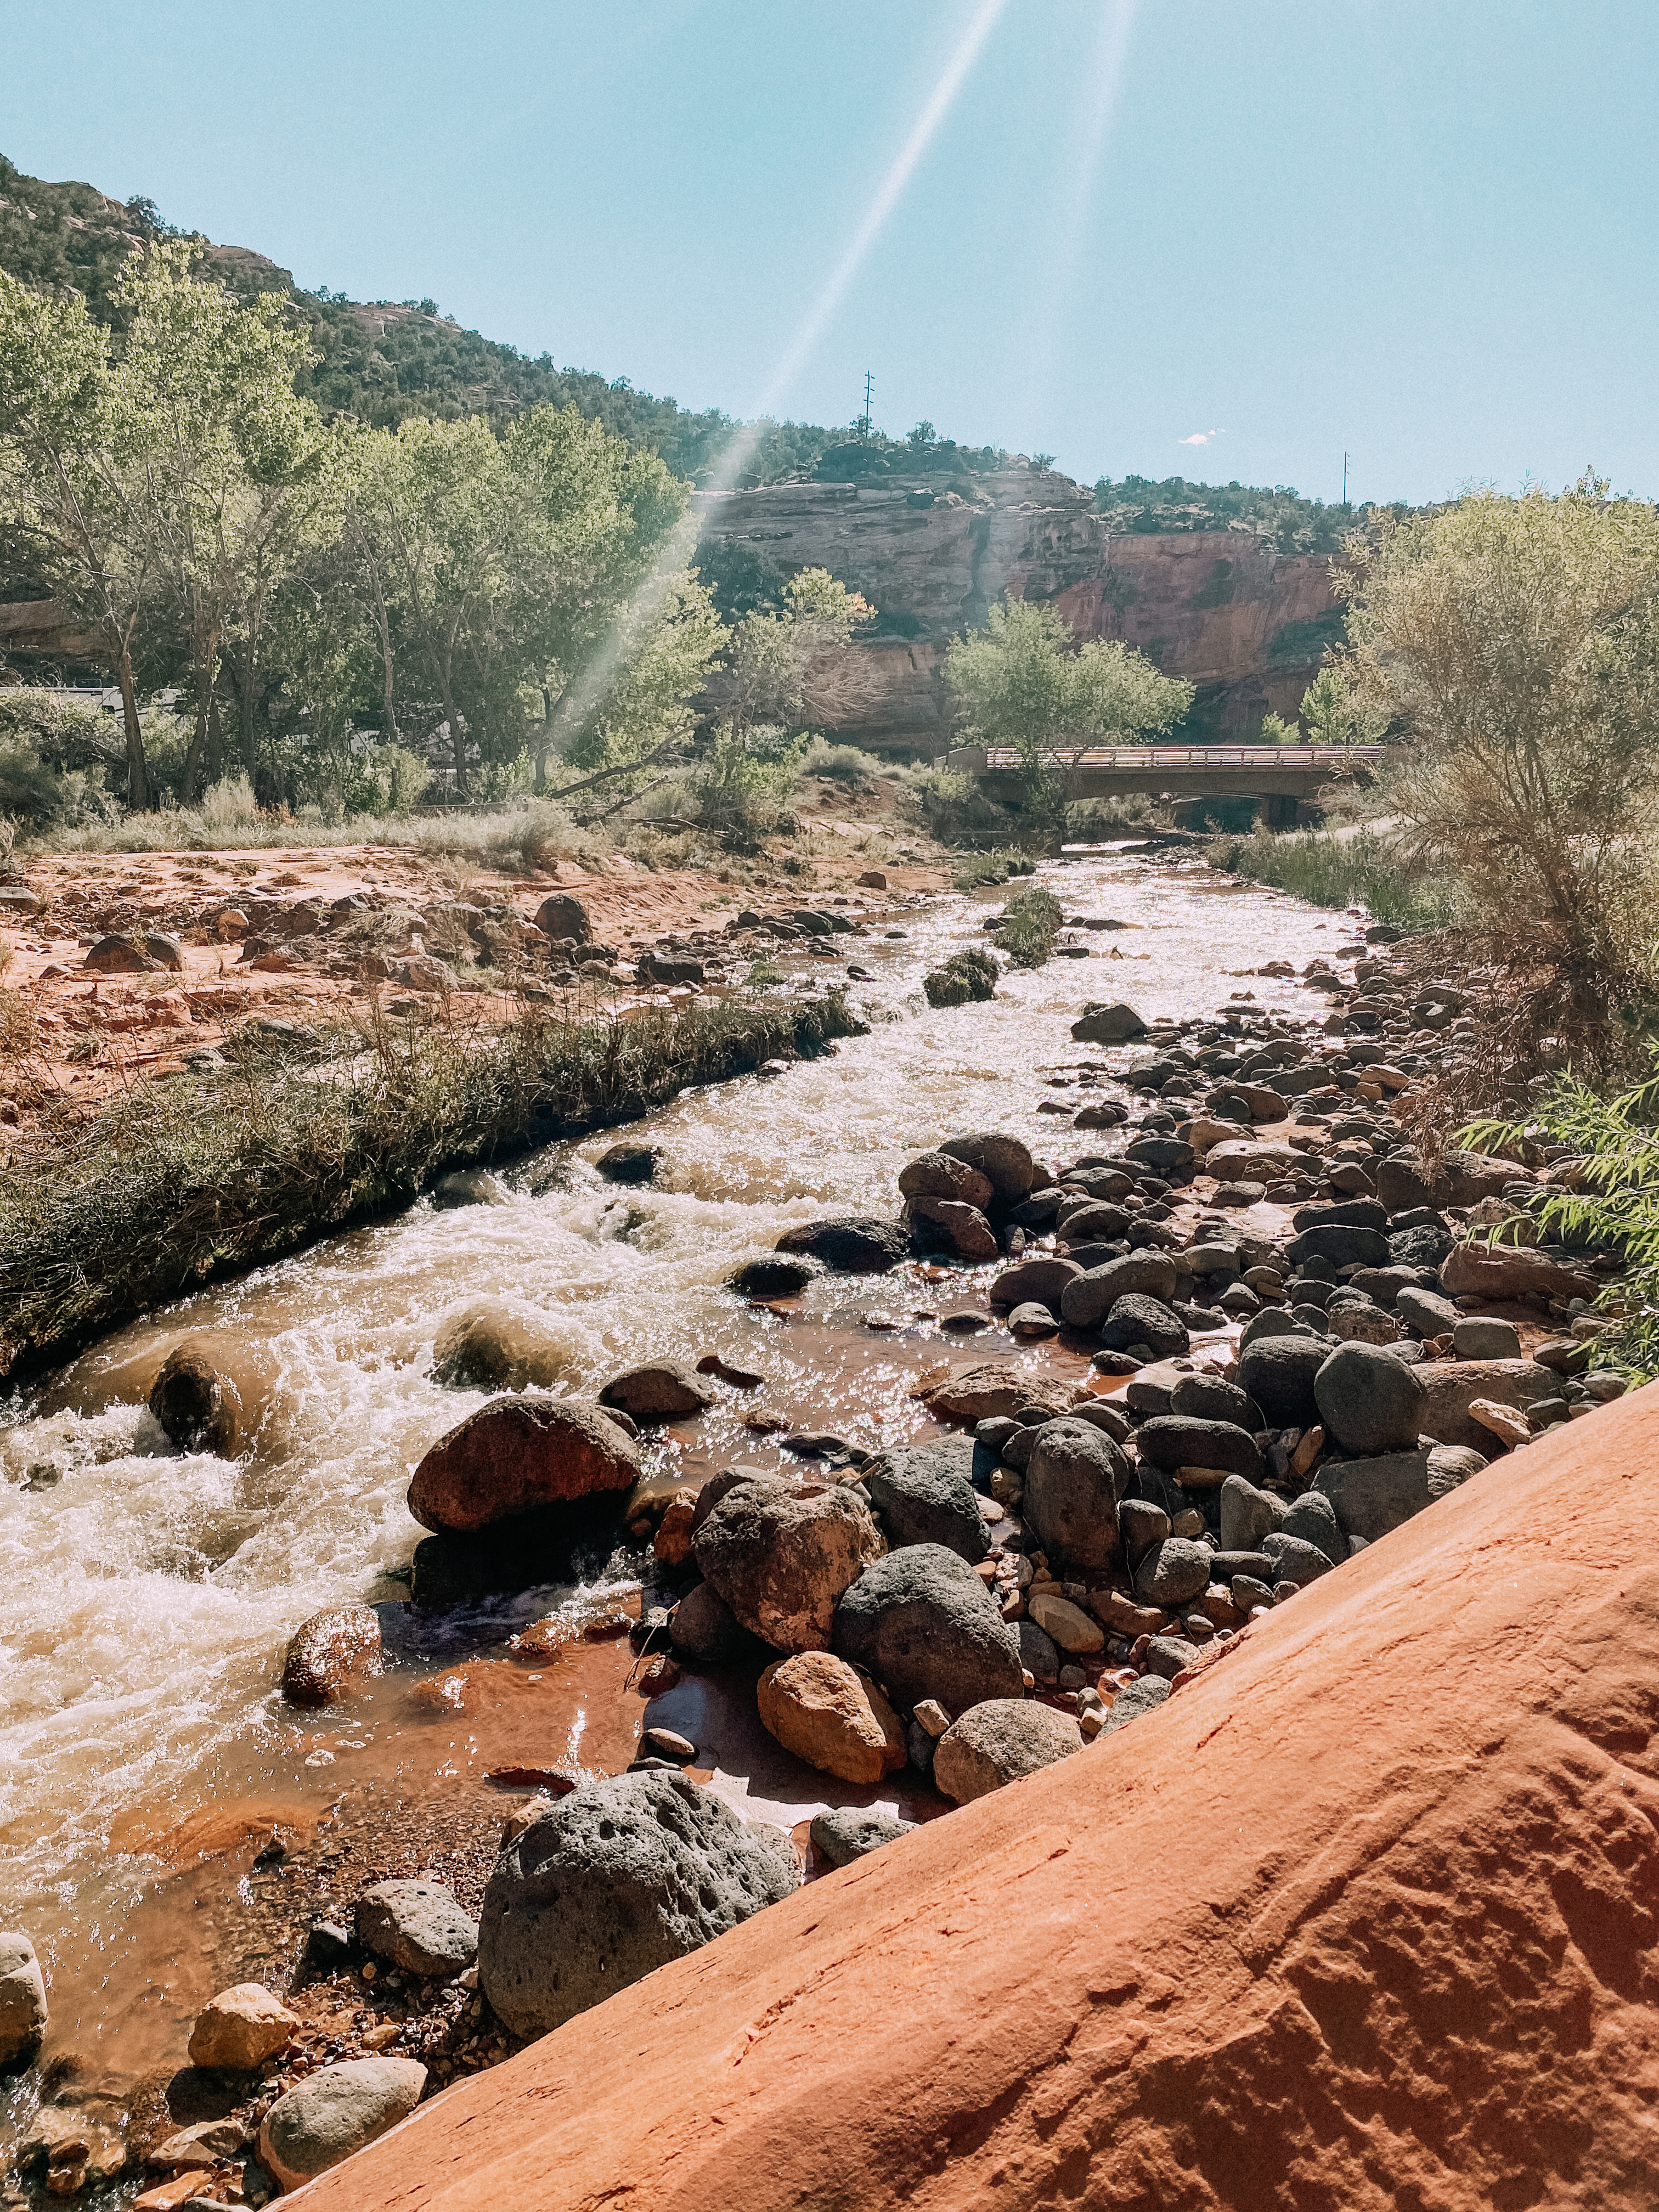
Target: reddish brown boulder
<point>516,1455</point>
<point>1365,1915</point>
<point>330,1652</point>
<point>832,1716</point>
<point>1511,1271</point>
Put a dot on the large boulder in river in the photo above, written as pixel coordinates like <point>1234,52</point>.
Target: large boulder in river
<point>517,1456</point>
<point>999,1742</point>
<point>660,1390</point>
<point>487,1347</point>
<point>1107,1024</point>
<point>925,1625</point>
<point>1369,1401</point>
<point>855,1244</point>
<point>938,1174</point>
<point>1004,1161</point>
<point>781,1555</point>
<point>1073,1479</point>
<point>22,2001</point>
<point>925,1495</point>
<point>331,1653</point>
<point>612,1881</point>
<point>1087,1299</point>
<point>199,1404</point>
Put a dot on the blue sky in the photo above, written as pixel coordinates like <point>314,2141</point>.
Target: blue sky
<point>1425,230</point>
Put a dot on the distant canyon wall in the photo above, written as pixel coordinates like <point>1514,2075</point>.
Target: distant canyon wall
<point>1243,623</point>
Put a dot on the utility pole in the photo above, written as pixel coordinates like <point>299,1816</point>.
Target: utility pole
<point>869,386</point>
<point>1345,479</point>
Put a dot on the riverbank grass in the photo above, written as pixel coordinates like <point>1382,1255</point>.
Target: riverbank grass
<point>1362,869</point>
<point>178,1183</point>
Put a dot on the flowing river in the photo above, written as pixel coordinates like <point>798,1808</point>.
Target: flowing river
<point>146,1595</point>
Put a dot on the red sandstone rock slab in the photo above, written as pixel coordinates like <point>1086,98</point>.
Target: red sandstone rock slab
<point>1364,1917</point>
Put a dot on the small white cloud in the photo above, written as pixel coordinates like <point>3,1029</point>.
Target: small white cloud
<point>1201,437</point>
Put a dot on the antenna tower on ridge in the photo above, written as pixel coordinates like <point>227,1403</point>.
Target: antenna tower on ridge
<point>864,419</point>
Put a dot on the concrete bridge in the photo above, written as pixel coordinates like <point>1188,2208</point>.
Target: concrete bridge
<point>1285,779</point>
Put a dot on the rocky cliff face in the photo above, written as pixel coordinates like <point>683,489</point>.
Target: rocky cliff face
<point>1222,608</point>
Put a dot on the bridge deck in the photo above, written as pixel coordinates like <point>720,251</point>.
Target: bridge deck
<point>1267,758</point>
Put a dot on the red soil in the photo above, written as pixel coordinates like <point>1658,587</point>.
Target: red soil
<point>1364,1918</point>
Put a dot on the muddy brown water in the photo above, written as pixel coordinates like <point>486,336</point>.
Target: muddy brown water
<point>146,1595</point>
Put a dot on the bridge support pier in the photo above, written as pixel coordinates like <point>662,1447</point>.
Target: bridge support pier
<point>1277,810</point>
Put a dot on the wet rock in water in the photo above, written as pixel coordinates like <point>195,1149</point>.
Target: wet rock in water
<point>1138,1319</point>
<point>1032,1322</point>
<point>1073,1479</point>
<point>922,1622</point>
<point>198,1404</point>
<point>850,1833</point>
<point>1450,1387</point>
<point>1278,1372</point>
<point>999,1741</point>
<point>1038,1281</point>
<point>829,1715</point>
<point>852,1245</point>
<point>1087,1301</point>
<point>1139,1697</point>
<point>1247,1514</point>
<point>418,1927</point>
<point>781,1557</point>
<point>22,2002</point>
<point>962,1229</point>
<point>330,1654</point>
<point>240,2028</point>
<point>938,1175</point>
<point>703,1626</point>
<point>660,1390</point>
<point>1369,1496</point>
<point>335,2111</point>
<point>773,1278</point>
<point>629,1163</point>
<point>469,1187</point>
<point>1176,1440</point>
<point>1038,1653</point>
<point>981,1393</point>
<point>487,1347</point>
<point>612,1881</point>
<point>925,1495</point>
<point>1107,1024</point>
<point>1004,1161</point>
<point>517,1456</point>
<point>562,916</point>
<point>1173,1572</point>
<point>1369,1401</point>
<point>1477,1338</point>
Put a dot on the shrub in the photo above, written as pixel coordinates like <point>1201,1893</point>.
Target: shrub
<point>1361,870</point>
<point>964,975</point>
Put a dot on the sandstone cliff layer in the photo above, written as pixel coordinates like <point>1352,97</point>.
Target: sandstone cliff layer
<point>1222,608</point>
<point>1366,1916</point>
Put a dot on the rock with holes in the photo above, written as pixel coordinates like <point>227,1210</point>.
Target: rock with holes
<point>925,1625</point>
<point>781,1554</point>
<point>849,1833</point>
<point>612,1882</point>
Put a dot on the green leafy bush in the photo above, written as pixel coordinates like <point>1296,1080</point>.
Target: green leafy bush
<point>1029,925</point>
<point>964,975</point>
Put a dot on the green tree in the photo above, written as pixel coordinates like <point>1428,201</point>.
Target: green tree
<point>778,660</point>
<point>74,472</point>
<point>1024,682</point>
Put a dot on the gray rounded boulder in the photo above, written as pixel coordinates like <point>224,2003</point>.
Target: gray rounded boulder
<point>1087,1299</point>
<point>781,1555</point>
<point>1369,1401</point>
<point>335,2111</point>
<point>1000,1741</point>
<point>417,1926</point>
<point>924,1494</point>
<point>1073,1479</point>
<point>612,1882</point>
<point>1278,1372</point>
<point>1138,1318</point>
<point>925,1625</point>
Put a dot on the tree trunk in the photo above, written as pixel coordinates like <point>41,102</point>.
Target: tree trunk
<point>207,676</point>
<point>215,741</point>
<point>545,742</point>
<point>139,796</point>
<point>248,685</point>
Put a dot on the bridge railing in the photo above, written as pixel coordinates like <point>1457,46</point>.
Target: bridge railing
<point>1184,756</point>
